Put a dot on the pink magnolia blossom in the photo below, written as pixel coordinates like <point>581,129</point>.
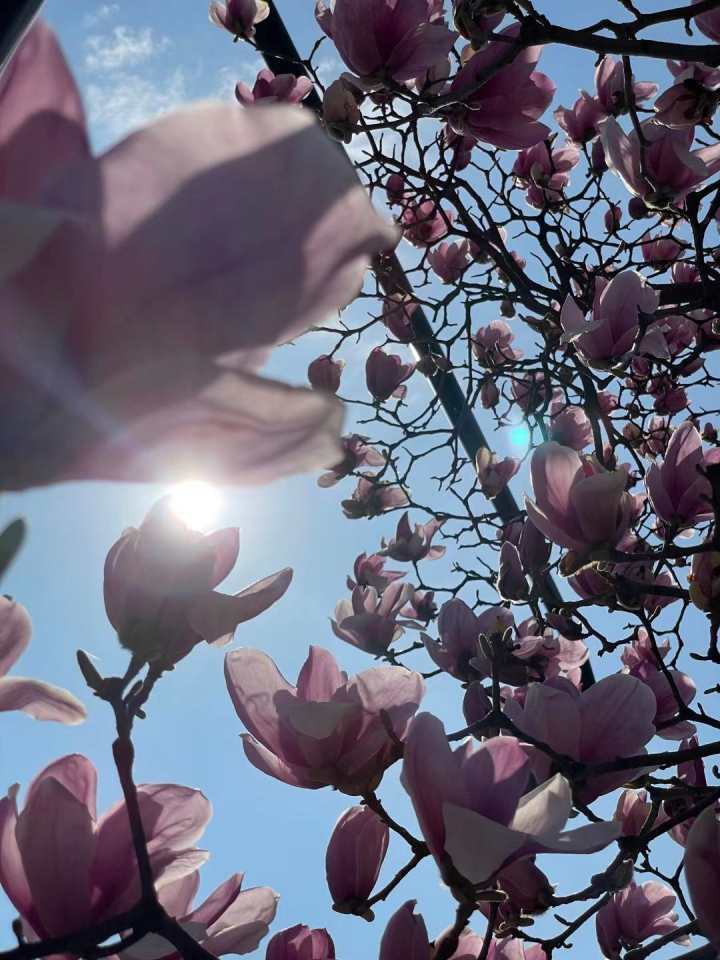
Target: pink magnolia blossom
<point>425,223</point>
<point>474,22</point>
<point>505,109</point>
<point>668,685</point>
<point>610,334</point>
<point>239,16</point>
<point>354,856</point>
<point>328,730</point>
<point>690,773</point>
<point>704,581</point>
<point>492,345</point>
<point>547,653</point>
<point>545,172</point>
<point>136,277</point>
<point>159,587</point>
<point>449,260</point>
<point>613,218</point>
<point>229,920</point>
<point>473,810</point>
<point>385,373</point>
<point>460,629</point>
<point>673,169</point>
<point>530,390</point>
<point>368,621</point>
<point>511,583</point>
<point>421,606</point>
<point>702,870</point>
<point>632,811</point>
<point>494,474</point>
<point>341,110</point>
<point>301,943</point>
<point>633,915</point>
<point>59,828</point>
<point>357,453</point>
<point>678,490</point>
<point>324,373</point>
<point>611,719</point>
<point>578,504</point>
<point>581,120</point>
<point>269,88</point>
<point>709,23</point>
<point>405,937</point>
<point>569,426</point>
<point>386,40</point>
<point>397,316</point>
<point>42,701</point>
<point>371,498</point>
<point>692,99</point>
<point>369,571</point>
<point>411,546</point>
<point>528,890</point>
<point>610,86</point>
<point>660,251</point>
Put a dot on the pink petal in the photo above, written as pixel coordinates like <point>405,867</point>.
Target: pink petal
<point>253,682</point>
<point>617,716</point>
<point>260,757</point>
<point>243,923</point>
<point>320,675</point>
<point>55,835</point>
<point>76,774</point>
<point>12,871</point>
<point>226,545</point>
<point>42,701</point>
<point>216,615</point>
<point>15,632</point>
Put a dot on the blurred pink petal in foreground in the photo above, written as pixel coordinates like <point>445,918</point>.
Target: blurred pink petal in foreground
<point>43,701</point>
<point>143,289</point>
<point>159,587</point>
<point>64,868</point>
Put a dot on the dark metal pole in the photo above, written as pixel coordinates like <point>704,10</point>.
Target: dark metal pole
<point>15,17</point>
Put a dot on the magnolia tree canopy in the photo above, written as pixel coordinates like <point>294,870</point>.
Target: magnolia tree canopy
<point>528,376</point>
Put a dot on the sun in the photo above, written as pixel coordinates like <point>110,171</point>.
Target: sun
<point>196,503</point>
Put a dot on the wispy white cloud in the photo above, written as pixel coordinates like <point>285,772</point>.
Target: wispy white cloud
<point>122,47</point>
<point>105,11</point>
<point>126,101</point>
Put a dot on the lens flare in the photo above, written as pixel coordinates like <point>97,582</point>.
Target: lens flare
<point>196,503</point>
<point>519,437</point>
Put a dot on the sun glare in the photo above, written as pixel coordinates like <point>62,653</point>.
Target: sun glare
<point>519,437</point>
<point>196,503</point>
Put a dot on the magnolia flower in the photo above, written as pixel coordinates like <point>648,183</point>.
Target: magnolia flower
<point>632,811</point>
<point>669,686</point>
<point>581,120</point>
<point>494,474</point>
<point>673,169</point>
<point>610,86</point>
<point>544,173</point>
<point>386,40</point>
<point>411,546</point>
<point>473,810</point>
<point>357,453</point>
<point>678,489</point>
<point>702,870</point>
<point>43,701</point>
<point>328,730</point>
<point>239,16</point>
<point>460,630</point>
<point>385,373</point>
<point>691,773</point>
<point>64,868</point>
<point>132,277</point>
<point>578,504</point>
<point>405,937</point>
<point>369,571</point>
<point>301,943</point>
<point>492,345</point>
<point>610,334</point>
<point>634,914</point>
<point>269,88</point>
<point>505,109</point>
<point>709,23</point>
<point>450,260</point>
<point>611,719</point>
<point>705,581</point>
<point>371,498</point>
<point>159,587</point>
<point>569,426</point>
<point>354,857</point>
<point>369,622</point>
<point>425,223</point>
<point>324,373</point>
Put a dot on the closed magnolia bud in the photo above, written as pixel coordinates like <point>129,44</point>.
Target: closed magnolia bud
<point>705,581</point>
<point>341,112</point>
<point>507,308</point>
<point>702,871</point>
<point>526,885</point>
<point>301,943</point>
<point>511,583</point>
<point>405,936</point>
<point>632,811</point>
<point>239,16</point>
<point>597,157</point>
<point>354,856</point>
<point>324,373</point>
<point>395,187</point>
<point>613,218</point>
<point>534,549</point>
<point>489,395</point>
<point>709,433</point>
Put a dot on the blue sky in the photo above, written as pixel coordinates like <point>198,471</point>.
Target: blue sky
<point>133,61</point>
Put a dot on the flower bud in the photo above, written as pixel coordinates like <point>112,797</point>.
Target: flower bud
<point>341,113</point>
<point>354,856</point>
<point>301,943</point>
<point>324,373</point>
